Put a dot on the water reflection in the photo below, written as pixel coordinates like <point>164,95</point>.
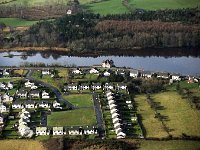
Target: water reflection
<point>181,61</point>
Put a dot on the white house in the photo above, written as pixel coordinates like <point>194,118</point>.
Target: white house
<point>6,72</point>
<point>121,86</point>
<point>58,131</point>
<point>90,130</point>
<point>74,130</point>
<point>106,73</point>
<point>43,104</point>
<point>1,120</point>
<point>107,63</point>
<point>10,85</point>
<point>22,93</point>
<point>108,86</point>
<point>41,131</point>
<point>134,73</point>
<point>7,98</point>
<point>34,87</point>
<point>3,108</point>
<point>29,104</point>
<point>163,75</point>
<point>176,77</point>
<point>34,94</point>
<point>94,71</point>
<point>46,72</point>
<point>56,105</point>
<point>146,74</point>
<point>45,95</point>
<point>84,87</point>
<point>77,71</point>
<point>2,85</point>
<point>71,87</point>
<point>17,105</point>
<point>96,86</point>
<point>28,84</point>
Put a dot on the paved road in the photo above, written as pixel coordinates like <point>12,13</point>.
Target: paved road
<point>99,115</point>
<point>55,90</point>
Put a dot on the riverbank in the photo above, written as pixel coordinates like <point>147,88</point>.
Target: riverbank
<point>41,49</point>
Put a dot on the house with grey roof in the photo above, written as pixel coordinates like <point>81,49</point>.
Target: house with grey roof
<point>43,104</point>
<point>74,130</point>
<point>84,86</point>
<point>17,105</point>
<point>96,86</point>
<point>134,73</point>
<point>163,75</point>
<point>34,93</point>
<point>29,104</point>
<point>121,86</point>
<point>88,130</point>
<point>42,131</point>
<point>146,74</point>
<point>71,87</point>
<point>108,86</point>
<point>22,93</point>
<point>58,131</point>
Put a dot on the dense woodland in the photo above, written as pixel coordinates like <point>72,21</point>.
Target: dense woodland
<point>142,29</point>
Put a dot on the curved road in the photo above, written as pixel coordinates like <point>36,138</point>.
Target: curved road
<point>55,90</point>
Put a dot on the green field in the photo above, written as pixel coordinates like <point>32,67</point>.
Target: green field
<point>169,145</point>
<point>30,3</point>
<point>152,126</point>
<point>164,4</point>
<point>107,7</point>
<point>181,117</point>
<point>16,22</point>
<point>77,117</point>
<point>116,7</point>
<point>80,100</point>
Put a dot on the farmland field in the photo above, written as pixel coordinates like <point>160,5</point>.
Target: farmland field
<point>80,100</point>
<point>166,4</point>
<point>16,22</point>
<point>152,126</point>
<point>169,145</point>
<point>181,118</point>
<point>116,7</point>
<point>20,145</point>
<point>77,117</point>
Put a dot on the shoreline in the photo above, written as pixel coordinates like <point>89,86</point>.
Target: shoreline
<point>22,49</point>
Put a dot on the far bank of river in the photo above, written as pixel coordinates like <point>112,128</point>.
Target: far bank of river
<point>187,64</point>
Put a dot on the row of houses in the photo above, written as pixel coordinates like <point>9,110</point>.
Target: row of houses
<point>149,74</point>
<point>6,86</point>
<point>72,130</point>
<point>24,93</point>
<point>23,128</point>
<point>115,115</point>
<point>95,86</point>
<point>30,104</point>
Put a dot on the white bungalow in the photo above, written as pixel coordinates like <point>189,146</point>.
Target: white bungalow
<point>108,86</point>
<point>17,105</point>
<point>74,130</point>
<point>96,86</point>
<point>134,73</point>
<point>45,95</point>
<point>3,108</point>
<point>121,86</point>
<point>46,72</point>
<point>58,131</point>
<point>176,77</point>
<point>84,86</point>
<point>77,71</point>
<point>94,71</point>
<point>106,73</point>
<point>28,84</point>
<point>90,130</point>
<point>42,131</point>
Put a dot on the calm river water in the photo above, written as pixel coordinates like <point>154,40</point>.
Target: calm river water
<point>187,65</point>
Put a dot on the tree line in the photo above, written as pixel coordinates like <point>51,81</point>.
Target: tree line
<point>88,32</point>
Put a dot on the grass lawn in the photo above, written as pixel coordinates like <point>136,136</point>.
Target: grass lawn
<point>107,7</point>
<point>80,100</point>
<point>31,3</point>
<point>169,145</point>
<point>167,4</point>
<point>183,84</point>
<point>21,145</point>
<point>16,22</point>
<point>152,126</point>
<point>91,77</point>
<point>77,117</point>
<point>181,117</point>
<point>9,79</point>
